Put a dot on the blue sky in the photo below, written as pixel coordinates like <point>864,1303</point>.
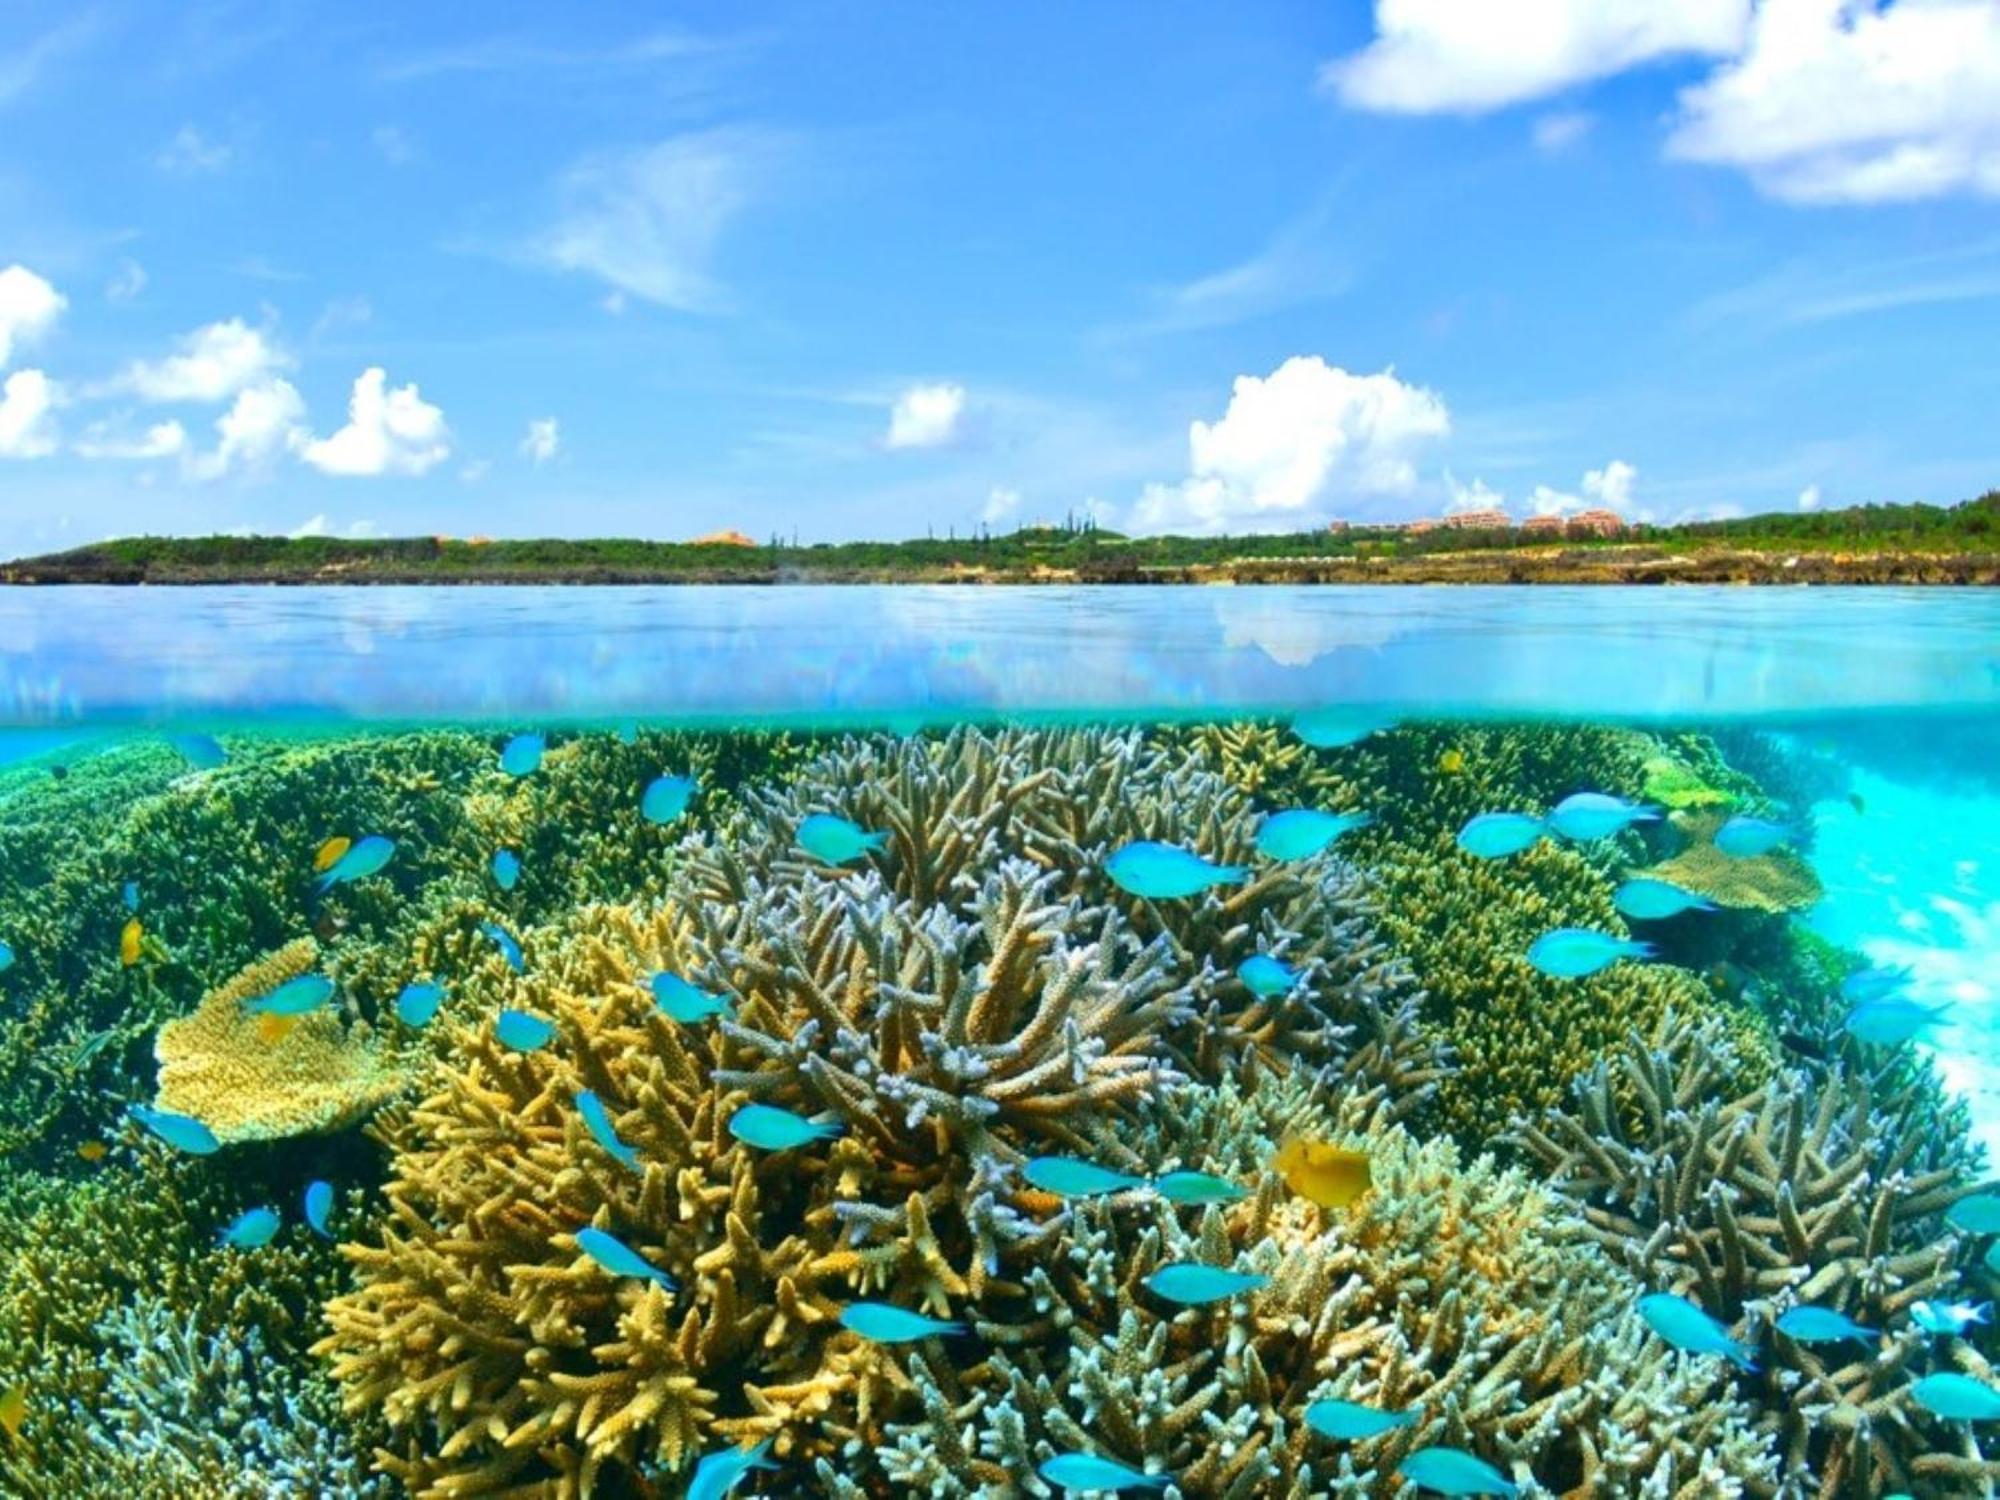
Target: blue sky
<point>872,270</point>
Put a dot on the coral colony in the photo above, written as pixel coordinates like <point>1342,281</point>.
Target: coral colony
<point>1214,1111</point>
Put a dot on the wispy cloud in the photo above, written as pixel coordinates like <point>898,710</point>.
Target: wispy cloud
<point>513,54</point>
<point>21,68</point>
<point>1805,293</point>
<point>192,153</point>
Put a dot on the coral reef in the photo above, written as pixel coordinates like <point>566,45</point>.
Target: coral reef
<point>1774,883</point>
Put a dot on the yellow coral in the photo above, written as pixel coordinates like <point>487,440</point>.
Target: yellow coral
<point>1776,882</point>
<point>218,1065</point>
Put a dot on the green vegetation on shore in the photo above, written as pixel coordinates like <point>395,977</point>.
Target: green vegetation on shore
<point>1867,543</point>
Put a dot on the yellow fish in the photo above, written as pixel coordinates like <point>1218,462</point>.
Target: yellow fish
<point>128,943</point>
<point>14,1410</point>
<point>275,1028</point>
<point>1323,1174</point>
<point>1452,763</point>
<point>92,1150</point>
<point>328,853</point>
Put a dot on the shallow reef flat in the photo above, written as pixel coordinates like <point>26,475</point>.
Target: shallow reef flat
<point>968,995</point>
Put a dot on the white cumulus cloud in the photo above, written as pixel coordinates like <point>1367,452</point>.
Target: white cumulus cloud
<point>1609,488</point>
<point>1850,101</point>
<point>543,440</point>
<point>387,432</point>
<point>212,364</point>
<point>1001,503</point>
<point>1475,496</point>
<point>27,415</point>
<point>926,416</point>
<point>1809,497</point>
<point>29,307</point>
<point>161,440</point>
<point>1293,442</point>
<point>1467,56</point>
<point>265,422</point>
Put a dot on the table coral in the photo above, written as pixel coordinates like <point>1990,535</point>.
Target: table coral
<point>1776,882</point>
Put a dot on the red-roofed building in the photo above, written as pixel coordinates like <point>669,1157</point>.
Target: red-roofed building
<point>1489,519</point>
<point>1596,523</point>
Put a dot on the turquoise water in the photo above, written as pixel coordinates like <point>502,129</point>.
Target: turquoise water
<point>968,988</point>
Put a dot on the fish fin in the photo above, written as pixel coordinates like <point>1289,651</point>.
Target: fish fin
<point>1646,812</point>
<point>1232,875</point>
<point>1634,949</point>
<point>876,839</point>
<point>1739,1355</point>
<point>826,1130</point>
<point>1983,1313</point>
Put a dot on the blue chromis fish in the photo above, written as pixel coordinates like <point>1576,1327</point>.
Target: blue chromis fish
<point>1333,728</point>
<point>6,956</point>
<point>1266,977</point>
<point>506,869</point>
<point>666,798</point>
<point>363,858</point>
<point>502,939</point>
<point>1086,1472</point>
<point>202,751</point>
<point>1067,1177</point>
<point>1453,1471</point>
<point>598,1122</point>
<point>1949,1319</point>
<point>1877,983</point>
<point>769,1128</point>
<point>1350,1422</point>
<point>131,895</point>
<point>1978,1214</point>
<point>295,997</point>
<point>1302,832</point>
<point>619,1258</point>
<point>1822,1325</point>
<point>251,1229</point>
<point>684,1002</point>
<point>834,840</point>
<point>1163,872</point>
<point>719,1473</point>
<point>182,1132</point>
<point>1745,837</point>
<point>418,1004</point>
<point>1198,1187</point>
<point>523,1032</point>
<point>1584,816</point>
<point>1194,1285</point>
<point>1496,835</point>
<point>319,1208</point>
<point>1647,900</point>
<point>1578,952</point>
<point>1892,1020</point>
<point>1957,1398</point>
<point>522,755</point>
<point>1691,1330</point>
<point>1992,1257</point>
<point>885,1323</point>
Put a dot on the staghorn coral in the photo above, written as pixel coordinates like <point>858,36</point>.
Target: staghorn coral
<point>218,1065</point>
<point>1776,882</point>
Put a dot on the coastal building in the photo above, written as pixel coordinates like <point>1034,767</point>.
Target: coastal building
<point>725,538</point>
<point>1596,523</point>
<point>1542,526</point>
<point>1487,519</point>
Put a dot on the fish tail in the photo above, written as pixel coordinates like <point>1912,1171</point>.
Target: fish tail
<point>1636,949</point>
<point>1646,812</point>
<point>1231,875</point>
<point>1983,1313</point>
<point>877,839</point>
<point>826,1130</point>
<point>1741,1355</point>
<point>756,1458</point>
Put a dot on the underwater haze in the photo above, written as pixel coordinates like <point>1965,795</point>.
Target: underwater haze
<point>977,1043</point>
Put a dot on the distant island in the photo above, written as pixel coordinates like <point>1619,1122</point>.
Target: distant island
<point>1865,544</point>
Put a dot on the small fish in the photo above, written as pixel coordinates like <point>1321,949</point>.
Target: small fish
<point>719,1473</point>
<point>504,941</point>
<point>522,755</point>
<point>1087,1472</point>
<point>666,798</point>
<point>598,1123</point>
<point>619,1258</point>
<point>1577,952</point>
<point>1854,801</point>
<point>1647,900</point>
<point>1350,1422</point>
<point>1891,1021</point>
<point>131,939</point>
<point>319,1207</point>
<point>418,1004</point>
<point>834,840</point>
<point>363,858</point>
<point>1691,1330</point>
<point>1957,1398</point>
<point>1194,1285</point>
<point>14,1410</point>
<point>1949,1318</point>
<point>1807,1047</point>
<point>131,895</point>
<point>1302,832</point>
<point>1067,1177</point>
<point>1745,837</point>
<point>1877,983</point>
<point>1333,728</point>
<point>1595,815</point>
<point>1266,977</point>
<point>1329,1176</point>
<point>506,869</point>
<point>769,1128</point>
<point>295,997</point>
<point>327,855</point>
<point>887,1324</point>
<point>1496,835</point>
<point>252,1229</point>
<point>684,1002</point>
<point>1162,872</point>
<point>1453,1471</point>
<point>6,957</point>
<point>202,751</point>
<point>1451,763</point>
<point>1198,1187</point>
<point>523,1032</point>
<point>60,773</point>
<point>182,1132</point>
<point>93,1151</point>
<point>1978,1214</point>
<point>1822,1325</point>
